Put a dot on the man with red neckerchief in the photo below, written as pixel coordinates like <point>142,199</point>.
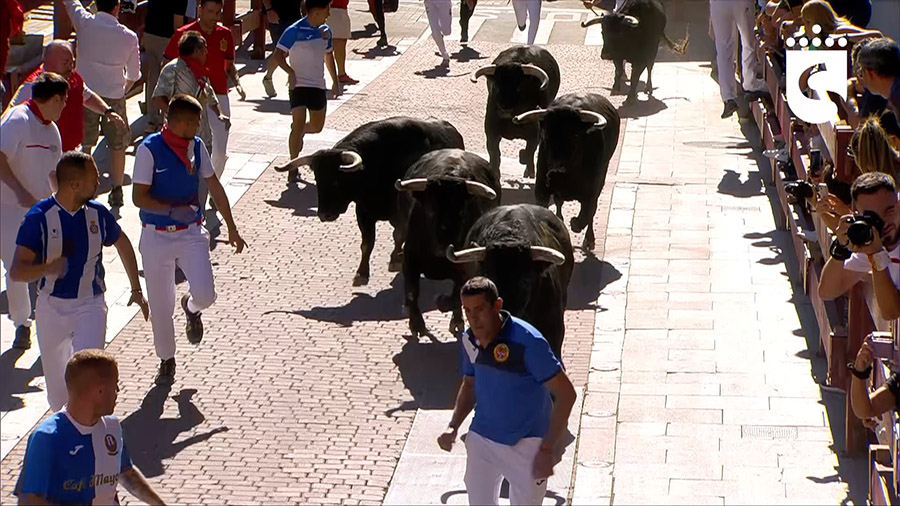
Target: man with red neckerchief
<point>59,58</point>
<point>30,147</point>
<point>219,64</point>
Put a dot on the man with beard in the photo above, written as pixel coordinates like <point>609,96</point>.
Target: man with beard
<point>60,243</point>
<point>59,58</point>
<point>79,455</point>
<point>871,193</point>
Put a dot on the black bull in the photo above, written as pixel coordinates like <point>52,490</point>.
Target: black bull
<point>450,190</point>
<point>363,167</point>
<point>520,79</point>
<point>579,133</point>
<point>525,249</point>
<point>633,34</point>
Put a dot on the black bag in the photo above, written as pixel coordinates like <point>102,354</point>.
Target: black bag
<point>391,5</point>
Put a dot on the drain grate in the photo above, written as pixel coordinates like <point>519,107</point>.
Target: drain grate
<point>768,432</point>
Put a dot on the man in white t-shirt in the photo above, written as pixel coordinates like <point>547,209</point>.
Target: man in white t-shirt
<point>872,192</point>
<point>30,147</point>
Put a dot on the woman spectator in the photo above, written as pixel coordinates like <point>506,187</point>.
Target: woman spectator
<point>339,21</point>
<point>819,12</point>
<point>873,148</point>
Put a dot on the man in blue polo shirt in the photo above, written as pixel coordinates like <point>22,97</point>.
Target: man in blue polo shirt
<point>167,171</point>
<point>509,374</point>
<point>60,242</point>
<point>78,455</point>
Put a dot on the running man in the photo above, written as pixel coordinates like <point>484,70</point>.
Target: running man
<point>60,242</point>
<point>509,367</point>
<point>307,43</point>
<point>167,171</point>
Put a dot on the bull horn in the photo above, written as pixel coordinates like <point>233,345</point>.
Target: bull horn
<point>411,185</point>
<point>631,20</point>
<point>300,161</point>
<point>484,71</point>
<point>535,115</point>
<point>352,161</point>
<point>535,71</point>
<point>466,255</point>
<point>543,254</point>
<point>593,117</point>
<point>480,190</point>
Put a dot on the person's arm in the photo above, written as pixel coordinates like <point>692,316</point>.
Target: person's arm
<point>129,261</point>
<point>133,66</point>
<point>836,280</point>
<point>280,56</point>
<point>77,13</point>
<point>26,199</point>
<point>465,403</point>
<point>217,192</point>
<point>134,482</point>
<point>165,88</point>
<point>866,404</point>
<point>25,268</point>
<point>22,95</point>
<point>886,294</point>
<point>563,394</point>
<point>98,105</point>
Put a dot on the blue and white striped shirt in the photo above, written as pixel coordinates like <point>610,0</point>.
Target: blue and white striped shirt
<point>51,232</point>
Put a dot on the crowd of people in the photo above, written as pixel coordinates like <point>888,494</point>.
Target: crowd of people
<point>52,231</point>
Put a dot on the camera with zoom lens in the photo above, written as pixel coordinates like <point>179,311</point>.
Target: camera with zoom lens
<point>863,227</point>
<point>798,191</point>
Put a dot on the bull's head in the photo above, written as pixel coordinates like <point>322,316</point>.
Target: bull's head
<point>336,172</point>
<point>563,130</point>
<point>514,269</point>
<point>450,204</point>
<point>616,30</point>
<point>514,87</point>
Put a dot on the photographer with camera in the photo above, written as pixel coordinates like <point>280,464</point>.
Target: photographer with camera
<point>865,404</point>
<point>868,240</point>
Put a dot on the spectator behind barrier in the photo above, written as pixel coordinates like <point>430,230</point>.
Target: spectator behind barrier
<point>874,199</point>
<point>879,70</point>
<point>819,12</point>
<point>873,148</point>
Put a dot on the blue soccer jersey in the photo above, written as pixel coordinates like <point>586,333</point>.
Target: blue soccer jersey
<point>69,463</point>
<point>306,51</point>
<point>511,401</point>
<point>51,231</point>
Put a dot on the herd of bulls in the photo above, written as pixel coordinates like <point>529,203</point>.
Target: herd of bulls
<point>444,202</point>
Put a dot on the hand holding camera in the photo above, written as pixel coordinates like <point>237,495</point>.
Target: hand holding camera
<point>861,232</point>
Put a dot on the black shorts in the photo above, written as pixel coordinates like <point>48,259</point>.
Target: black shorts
<point>312,98</point>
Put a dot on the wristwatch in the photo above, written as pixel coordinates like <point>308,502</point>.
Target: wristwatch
<point>453,425</point>
<point>864,374</point>
<point>108,111</point>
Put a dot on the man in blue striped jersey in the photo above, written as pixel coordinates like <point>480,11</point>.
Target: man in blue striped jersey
<point>78,455</point>
<point>60,242</point>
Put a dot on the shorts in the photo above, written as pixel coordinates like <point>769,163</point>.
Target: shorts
<point>275,31</point>
<point>313,99</point>
<point>118,139</point>
<point>339,22</point>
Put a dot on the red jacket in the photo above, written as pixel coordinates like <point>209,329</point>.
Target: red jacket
<point>12,19</point>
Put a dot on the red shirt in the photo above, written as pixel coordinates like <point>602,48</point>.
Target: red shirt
<point>220,44</point>
<point>11,20</point>
<point>71,121</point>
<point>339,4</point>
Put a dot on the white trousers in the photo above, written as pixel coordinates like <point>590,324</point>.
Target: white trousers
<point>725,16</point>
<point>440,17</point>
<point>161,251</point>
<point>16,293</point>
<point>525,9</point>
<point>219,154</point>
<point>65,326</point>
<point>488,462</point>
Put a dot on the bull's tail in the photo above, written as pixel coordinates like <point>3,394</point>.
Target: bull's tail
<point>681,46</point>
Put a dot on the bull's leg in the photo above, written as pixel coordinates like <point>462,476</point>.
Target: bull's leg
<point>559,204</point>
<point>619,81</point>
<point>493,145</point>
<point>457,325</point>
<point>528,153</point>
<point>367,228</point>
<point>636,71</point>
<point>411,276</point>
<point>584,219</point>
<point>542,181</point>
<point>650,79</point>
<point>396,262</point>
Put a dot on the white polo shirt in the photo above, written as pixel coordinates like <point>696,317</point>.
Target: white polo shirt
<point>108,52</point>
<point>860,263</point>
<point>32,149</point>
